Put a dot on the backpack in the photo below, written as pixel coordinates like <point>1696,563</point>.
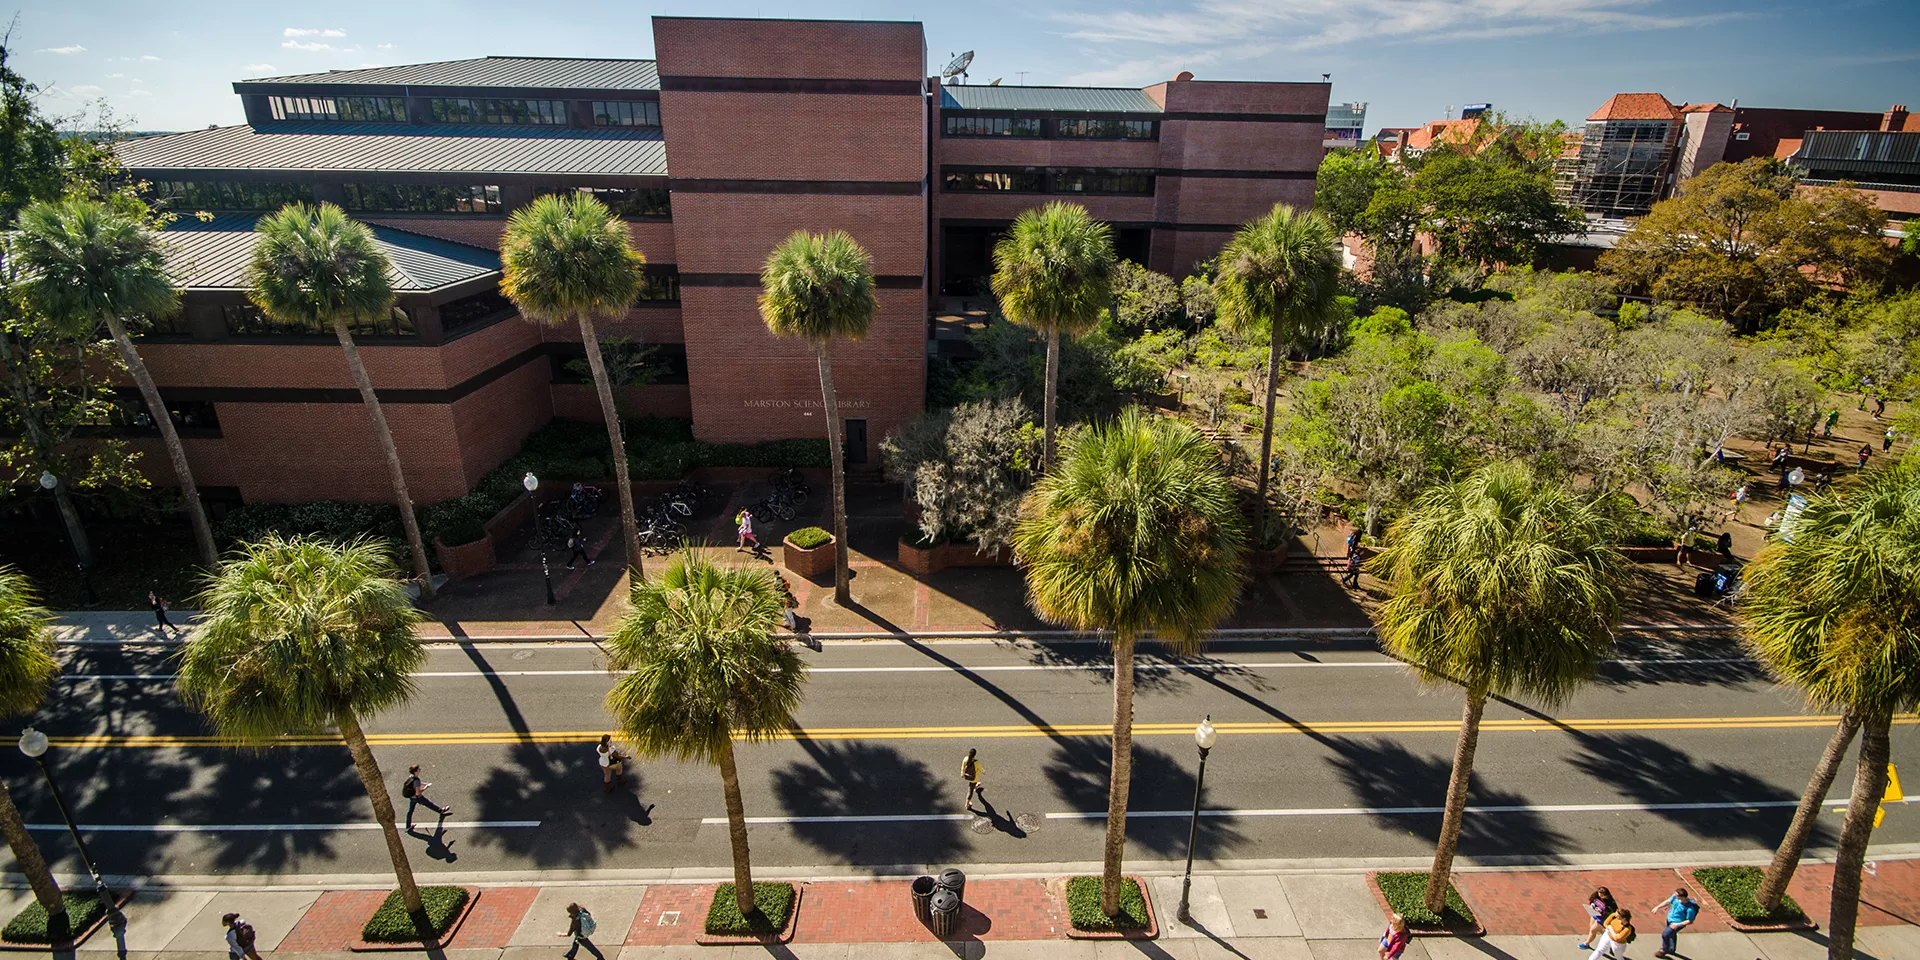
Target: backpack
<point>243,932</point>
<point>587,926</point>
<point>408,790</point>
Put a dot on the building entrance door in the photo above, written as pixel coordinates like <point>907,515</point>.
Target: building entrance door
<point>856,440</point>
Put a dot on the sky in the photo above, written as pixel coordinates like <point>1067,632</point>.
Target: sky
<point>1410,60</point>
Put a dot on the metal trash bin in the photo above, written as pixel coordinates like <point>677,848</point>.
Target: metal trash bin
<point>945,905</point>
<point>923,890</point>
<point>956,881</point>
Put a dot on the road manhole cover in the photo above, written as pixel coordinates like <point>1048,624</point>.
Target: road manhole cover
<point>1027,822</point>
<point>523,654</point>
<point>981,825</point>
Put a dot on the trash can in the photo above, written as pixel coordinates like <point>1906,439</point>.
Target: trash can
<point>945,906</point>
<point>923,888</point>
<point>956,881</point>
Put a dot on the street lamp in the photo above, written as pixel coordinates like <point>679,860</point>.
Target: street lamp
<point>532,483</point>
<point>33,743</point>
<point>47,482</point>
<point>1203,737</point>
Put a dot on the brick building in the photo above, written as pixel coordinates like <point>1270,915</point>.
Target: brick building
<point>738,134</point>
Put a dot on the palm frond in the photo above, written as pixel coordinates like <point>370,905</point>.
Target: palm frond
<point>312,266</point>
<point>818,287</point>
<point>84,262</point>
<point>27,663</point>
<point>1054,269</point>
<point>1279,275</point>
<point>565,256</point>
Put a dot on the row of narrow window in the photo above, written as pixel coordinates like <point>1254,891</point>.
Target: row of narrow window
<point>1118,181</point>
<point>1083,128</point>
<point>247,196</point>
<point>489,110</point>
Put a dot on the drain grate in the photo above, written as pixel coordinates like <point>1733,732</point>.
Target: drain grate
<point>671,918</point>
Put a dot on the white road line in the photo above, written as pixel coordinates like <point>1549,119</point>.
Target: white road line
<point>274,827</point>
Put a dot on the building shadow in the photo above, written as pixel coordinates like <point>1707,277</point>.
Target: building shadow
<point>1080,768</point>
<point>1654,773</point>
<point>851,778</point>
<point>1405,789</point>
<point>559,785</point>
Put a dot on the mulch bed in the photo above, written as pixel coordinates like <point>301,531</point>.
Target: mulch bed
<point>1418,930</point>
<point>1057,886</point>
<point>361,946</point>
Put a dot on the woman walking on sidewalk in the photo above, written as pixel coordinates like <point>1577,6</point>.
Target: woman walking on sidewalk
<point>1393,943</point>
<point>1600,906</point>
<point>1615,934</point>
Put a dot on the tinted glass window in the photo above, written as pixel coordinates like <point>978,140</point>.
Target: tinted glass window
<point>421,198</point>
<point>626,113</point>
<point>479,110</point>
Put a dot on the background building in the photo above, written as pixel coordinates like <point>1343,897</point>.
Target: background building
<point>1346,123</point>
<point>1625,155</point>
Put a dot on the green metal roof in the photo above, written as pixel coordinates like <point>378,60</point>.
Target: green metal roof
<point>553,73</point>
<point>395,148</point>
<point>1070,99</point>
<point>213,255</point>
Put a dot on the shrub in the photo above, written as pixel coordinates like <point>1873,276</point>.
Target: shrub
<point>806,538</point>
<point>1083,906</point>
<point>30,924</point>
<point>1406,894</point>
<point>462,531</point>
<point>333,519</point>
<point>1734,888</point>
<point>390,923</point>
<point>774,901</point>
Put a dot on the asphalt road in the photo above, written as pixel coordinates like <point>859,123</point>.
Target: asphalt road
<point>1326,750</point>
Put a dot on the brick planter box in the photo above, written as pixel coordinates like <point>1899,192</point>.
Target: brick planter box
<point>927,561</point>
<point>808,562</point>
<point>467,559</point>
<point>1268,561</point>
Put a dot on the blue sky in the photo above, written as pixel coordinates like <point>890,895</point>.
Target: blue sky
<point>1410,59</point>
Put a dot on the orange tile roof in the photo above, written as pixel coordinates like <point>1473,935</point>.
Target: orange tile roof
<point>1786,147</point>
<point>1636,106</point>
<point>1440,131</point>
<point>1705,108</point>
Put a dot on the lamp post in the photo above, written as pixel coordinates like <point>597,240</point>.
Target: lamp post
<point>1203,737</point>
<point>532,483</point>
<point>48,482</point>
<point>33,743</point>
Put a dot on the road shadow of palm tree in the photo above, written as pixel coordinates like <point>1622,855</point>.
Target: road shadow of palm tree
<point>1408,789</point>
<point>580,823</point>
<point>1691,660</point>
<point>1653,773</point>
<point>1156,670</point>
<point>1081,767</point>
<point>319,784</point>
<point>865,779</point>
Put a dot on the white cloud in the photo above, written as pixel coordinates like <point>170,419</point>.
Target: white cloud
<point>115,76</point>
<point>384,46</point>
<point>150,57</point>
<point>63,51</point>
<point>86,90</point>
<point>309,47</point>
<point>302,32</point>
<point>259,68</point>
<point>139,93</point>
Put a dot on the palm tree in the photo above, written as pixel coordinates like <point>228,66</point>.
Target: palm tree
<point>87,265</point>
<point>1053,271</point>
<point>566,259</point>
<point>27,665</point>
<point>315,267</point>
<point>1505,584</point>
<point>706,670</point>
<point>820,286</point>
<point>1138,530</point>
<point>1835,611</point>
<point>298,635</point>
<point>1278,276</point>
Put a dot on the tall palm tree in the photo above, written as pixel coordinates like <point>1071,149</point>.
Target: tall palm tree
<point>1835,611</point>
<point>316,267</point>
<point>89,265</point>
<point>1053,271</point>
<point>819,287</point>
<point>1278,276</point>
<point>706,670</point>
<point>566,259</point>
<point>299,635</point>
<point>27,665</point>
<point>1138,530</point>
<point>1505,584</point>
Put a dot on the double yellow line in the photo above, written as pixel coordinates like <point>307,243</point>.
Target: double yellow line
<point>1003,731</point>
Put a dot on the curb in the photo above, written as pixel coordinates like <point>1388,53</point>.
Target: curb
<point>438,943</point>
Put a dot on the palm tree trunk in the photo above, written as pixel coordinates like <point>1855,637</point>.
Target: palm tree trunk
<point>376,786</point>
<point>616,438</point>
<point>1869,785</point>
<point>189,493</point>
<point>737,832</point>
<point>27,853</point>
<point>1442,875</point>
<point>1120,783</point>
<point>394,471</point>
<point>1794,845</point>
<point>836,449</point>
<point>1266,445</point>
<point>82,550</point>
<point>1050,394</point>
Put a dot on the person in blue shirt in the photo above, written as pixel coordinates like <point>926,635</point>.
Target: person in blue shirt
<point>1681,911</point>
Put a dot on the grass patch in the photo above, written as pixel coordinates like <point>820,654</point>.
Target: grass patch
<point>1734,888</point>
<point>773,900</point>
<point>390,923</point>
<point>30,924</point>
<point>806,538</point>
<point>1083,906</point>
<point>1406,894</point>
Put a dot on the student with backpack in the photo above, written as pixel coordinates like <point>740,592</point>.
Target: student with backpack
<point>1615,934</point>
<point>414,790</point>
<point>240,938</point>
<point>580,926</point>
<point>1599,906</point>
<point>1681,912</point>
<point>970,772</point>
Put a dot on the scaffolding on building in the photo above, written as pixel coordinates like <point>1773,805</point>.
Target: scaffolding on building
<point>1622,167</point>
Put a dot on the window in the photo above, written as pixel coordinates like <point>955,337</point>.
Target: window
<point>633,203</point>
<point>383,109</point>
<point>127,416</point>
<point>1117,181</point>
<point>480,308</point>
<point>228,194</point>
<point>1108,129</point>
<point>626,113</point>
<point>173,326</point>
<point>1020,180</point>
<point>470,110</point>
<point>421,198</point>
<point>660,285</point>
<point>968,126</point>
<point>247,320</point>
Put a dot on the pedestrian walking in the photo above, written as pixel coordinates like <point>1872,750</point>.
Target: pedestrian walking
<point>744,522</point>
<point>1681,910</point>
<point>580,926</point>
<point>1351,578</point>
<point>970,772</point>
<point>415,792</point>
<point>577,542</point>
<point>159,605</point>
<point>1393,943</point>
<point>613,764</point>
<point>1683,546</point>
<point>1600,906</point>
<point>1725,544</point>
<point>1780,455</point>
<point>240,938</point>
<point>1866,450</point>
<point>1833,420</point>
<point>789,605</point>
<point>1879,407</point>
<point>1886,439</point>
<point>1740,496</point>
<point>1353,542</point>
<point>1615,934</point>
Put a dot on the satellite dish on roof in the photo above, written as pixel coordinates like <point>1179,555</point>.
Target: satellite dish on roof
<point>958,68</point>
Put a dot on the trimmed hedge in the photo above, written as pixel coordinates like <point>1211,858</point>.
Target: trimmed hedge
<point>806,538</point>
<point>1406,894</point>
<point>463,531</point>
<point>1734,888</point>
<point>30,924</point>
<point>1083,906</point>
<point>391,924</point>
<point>773,900</point>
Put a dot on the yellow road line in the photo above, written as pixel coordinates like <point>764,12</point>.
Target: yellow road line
<point>154,741</point>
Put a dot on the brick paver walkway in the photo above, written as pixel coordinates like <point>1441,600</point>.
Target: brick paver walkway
<point>1545,902</point>
<point>867,911</point>
<point>495,917</point>
<point>673,913</point>
<point>333,921</point>
<point>1889,895</point>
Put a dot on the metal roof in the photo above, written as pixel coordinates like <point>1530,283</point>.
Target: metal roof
<point>545,72</point>
<point>387,148</point>
<point>1084,99</point>
<point>213,255</point>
